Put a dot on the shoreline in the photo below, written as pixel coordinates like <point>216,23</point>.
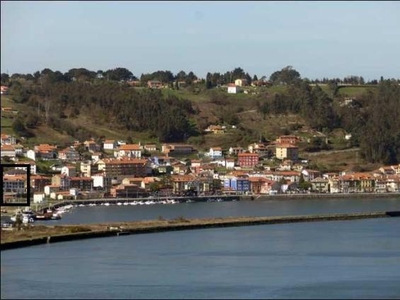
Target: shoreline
<point>10,212</point>
<point>53,234</point>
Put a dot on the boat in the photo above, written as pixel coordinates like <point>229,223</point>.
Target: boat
<point>27,219</point>
<point>44,216</point>
<point>55,217</point>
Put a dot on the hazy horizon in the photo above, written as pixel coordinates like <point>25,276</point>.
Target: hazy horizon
<point>319,39</point>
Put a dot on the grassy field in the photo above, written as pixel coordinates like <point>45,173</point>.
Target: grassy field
<point>338,161</point>
<point>354,91</point>
<point>7,118</point>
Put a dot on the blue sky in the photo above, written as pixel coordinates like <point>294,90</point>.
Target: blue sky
<point>319,39</point>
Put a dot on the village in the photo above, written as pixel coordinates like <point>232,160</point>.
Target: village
<point>116,169</point>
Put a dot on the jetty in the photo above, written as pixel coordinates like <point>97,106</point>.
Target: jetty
<point>35,235</point>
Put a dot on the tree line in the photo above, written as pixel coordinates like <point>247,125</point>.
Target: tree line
<point>286,75</point>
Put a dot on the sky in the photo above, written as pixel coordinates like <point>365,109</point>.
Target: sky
<point>317,38</point>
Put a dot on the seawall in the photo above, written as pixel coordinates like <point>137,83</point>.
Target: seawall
<point>174,225</point>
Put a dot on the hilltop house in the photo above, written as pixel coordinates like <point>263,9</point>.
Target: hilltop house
<point>241,82</point>
<point>233,89</point>
<point>154,84</point>
<point>4,90</point>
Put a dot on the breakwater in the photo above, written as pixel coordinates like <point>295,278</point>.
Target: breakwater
<point>140,227</point>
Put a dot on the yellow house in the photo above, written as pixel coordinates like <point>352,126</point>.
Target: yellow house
<point>241,82</point>
<point>287,151</point>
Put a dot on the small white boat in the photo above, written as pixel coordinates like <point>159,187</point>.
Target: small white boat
<point>106,204</point>
<point>119,203</point>
<point>26,220</point>
<point>126,203</point>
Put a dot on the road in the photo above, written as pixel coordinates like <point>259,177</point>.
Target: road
<point>331,152</point>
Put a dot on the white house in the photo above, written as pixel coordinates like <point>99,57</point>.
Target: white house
<point>109,144</point>
<point>215,152</point>
<point>31,154</point>
<point>228,163</point>
<point>48,189</point>
<point>38,197</point>
<point>99,181</point>
<point>129,150</point>
<point>233,89</point>
<point>8,150</point>
<point>70,171</point>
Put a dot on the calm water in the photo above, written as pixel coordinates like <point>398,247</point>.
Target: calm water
<point>122,213</point>
<point>338,259</point>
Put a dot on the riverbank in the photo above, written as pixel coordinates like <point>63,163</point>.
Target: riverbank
<point>35,235</point>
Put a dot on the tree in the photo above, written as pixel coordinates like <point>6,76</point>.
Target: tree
<point>18,220</point>
<point>304,185</point>
<point>181,76</point>
<point>287,75</point>
<point>19,127</point>
<point>264,108</point>
<point>19,93</point>
<point>238,73</point>
<point>119,74</point>
<point>5,78</point>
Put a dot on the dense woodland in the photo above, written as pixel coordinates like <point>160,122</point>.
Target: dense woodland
<point>57,98</point>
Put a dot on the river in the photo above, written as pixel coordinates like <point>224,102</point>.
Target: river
<point>338,259</point>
